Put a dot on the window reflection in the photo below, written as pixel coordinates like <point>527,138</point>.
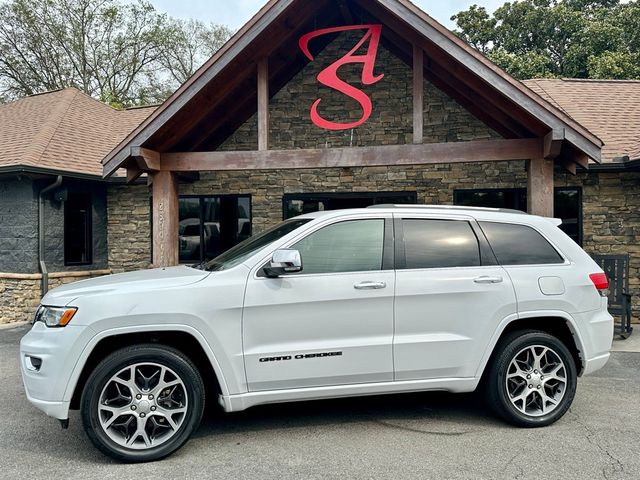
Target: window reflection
<point>211,225</point>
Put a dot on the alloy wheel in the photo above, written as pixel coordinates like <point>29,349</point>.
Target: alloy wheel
<point>143,405</point>
<point>536,380</point>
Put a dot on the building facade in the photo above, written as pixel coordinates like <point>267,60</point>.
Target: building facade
<point>238,148</point>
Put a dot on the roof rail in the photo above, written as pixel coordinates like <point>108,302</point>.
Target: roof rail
<point>449,207</point>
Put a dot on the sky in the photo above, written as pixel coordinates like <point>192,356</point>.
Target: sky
<point>234,13</point>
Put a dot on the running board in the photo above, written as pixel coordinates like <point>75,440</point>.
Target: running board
<point>242,401</point>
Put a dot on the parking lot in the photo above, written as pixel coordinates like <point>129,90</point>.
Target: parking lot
<point>431,435</point>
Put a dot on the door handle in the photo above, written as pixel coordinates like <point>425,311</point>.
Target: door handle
<point>487,279</point>
<point>370,285</point>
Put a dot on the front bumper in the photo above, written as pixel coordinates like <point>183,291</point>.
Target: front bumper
<point>57,350</point>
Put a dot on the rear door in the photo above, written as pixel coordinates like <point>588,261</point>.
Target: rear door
<point>450,296</point>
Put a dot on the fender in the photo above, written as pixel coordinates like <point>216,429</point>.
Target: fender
<point>522,316</point>
<point>82,360</point>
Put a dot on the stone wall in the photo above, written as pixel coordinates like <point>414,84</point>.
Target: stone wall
<point>19,299</point>
<point>391,122</point>
<point>18,225</point>
<point>129,227</point>
<point>20,293</point>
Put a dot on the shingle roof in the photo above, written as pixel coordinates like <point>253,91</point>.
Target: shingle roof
<point>608,108</point>
<point>64,130</point>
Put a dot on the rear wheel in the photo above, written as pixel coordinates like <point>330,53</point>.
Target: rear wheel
<point>532,381</point>
<point>142,403</point>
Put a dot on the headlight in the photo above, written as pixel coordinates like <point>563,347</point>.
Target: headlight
<point>55,316</point>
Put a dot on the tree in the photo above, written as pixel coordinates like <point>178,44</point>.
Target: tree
<point>194,43</point>
<point>123,54</point>
<point>554,38</point>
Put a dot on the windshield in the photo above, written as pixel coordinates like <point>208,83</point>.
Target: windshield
<point>244,250</point>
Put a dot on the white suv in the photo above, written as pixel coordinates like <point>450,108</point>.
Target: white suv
<point>331,304</point>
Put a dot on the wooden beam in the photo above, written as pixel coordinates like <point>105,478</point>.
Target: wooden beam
<point>569,166</point>
<point>133,173</point>
<point>147,160</point>
<point>263,104</point>
<point>418,94</point>
<point>540,186</point>
<point>552,144</point>
<point>430,153</point>
<point>165,219</point>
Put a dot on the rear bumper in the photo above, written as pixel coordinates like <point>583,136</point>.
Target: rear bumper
<point>596,333</point>
<point>595,363</point>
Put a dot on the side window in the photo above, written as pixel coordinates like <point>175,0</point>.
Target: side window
<point>77,229</point>
<point>439,244</point>
<point>519,244</point>
<point>351,246</point>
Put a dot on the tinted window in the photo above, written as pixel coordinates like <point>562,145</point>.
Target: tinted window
<point>352,246</point>
<point>519,244</point>
<point>77,229</point>
<point>440,244</point>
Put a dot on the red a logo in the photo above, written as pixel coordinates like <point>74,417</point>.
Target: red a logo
<point>329,76</point>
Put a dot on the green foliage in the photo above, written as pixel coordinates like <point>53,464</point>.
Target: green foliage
<point>554,38</point>
<point>121,53</point>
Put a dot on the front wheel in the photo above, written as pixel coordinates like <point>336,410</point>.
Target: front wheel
<point>142,403</point>
<point>532,380</point>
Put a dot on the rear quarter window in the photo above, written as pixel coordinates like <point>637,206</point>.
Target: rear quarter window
<point>519,245</point>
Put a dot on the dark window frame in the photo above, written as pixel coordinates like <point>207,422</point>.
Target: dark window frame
<point>319,196</point>
<point>88,233</point>
<point>202,199</point>
<point>517,192</point>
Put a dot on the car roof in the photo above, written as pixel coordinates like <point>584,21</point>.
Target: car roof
<point>479,213</point>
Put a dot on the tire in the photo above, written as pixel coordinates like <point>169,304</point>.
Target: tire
<point>526,393</point>
<point>129,415</point>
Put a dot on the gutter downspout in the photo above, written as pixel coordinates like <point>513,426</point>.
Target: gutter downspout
<point>44,285</point>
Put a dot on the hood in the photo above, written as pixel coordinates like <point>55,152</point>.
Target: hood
<point>133,281</point>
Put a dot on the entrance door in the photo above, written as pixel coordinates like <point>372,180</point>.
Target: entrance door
<point>450,298</point>
<point>331,324</point>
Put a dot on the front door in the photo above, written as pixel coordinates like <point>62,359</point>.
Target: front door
<point>450,297</point>
<point>332,323</point>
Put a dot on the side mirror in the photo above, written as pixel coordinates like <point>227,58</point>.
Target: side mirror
<point>283,261</point>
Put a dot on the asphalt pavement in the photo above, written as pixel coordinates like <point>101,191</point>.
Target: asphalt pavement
<point>428,435</point>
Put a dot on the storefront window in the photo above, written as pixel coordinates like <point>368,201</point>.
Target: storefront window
<point>567,204</point>
<point>298,204</point>
<point>210,225</point>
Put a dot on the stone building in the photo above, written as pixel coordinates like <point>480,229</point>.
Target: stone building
<point>237,148</point>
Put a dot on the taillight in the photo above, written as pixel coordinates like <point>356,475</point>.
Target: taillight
<point>601,282</point>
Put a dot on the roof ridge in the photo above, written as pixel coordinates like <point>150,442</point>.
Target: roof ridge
<point>45,134</point>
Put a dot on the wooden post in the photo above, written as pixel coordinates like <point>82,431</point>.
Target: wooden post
<point>540,187</point>
<point>263,104</point>
<point>165,218</point>
<point>418,94</point>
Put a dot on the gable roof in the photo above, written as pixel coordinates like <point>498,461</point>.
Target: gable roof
<point>608,108</point>
<point>63,131</point>
<point>228,78</point>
